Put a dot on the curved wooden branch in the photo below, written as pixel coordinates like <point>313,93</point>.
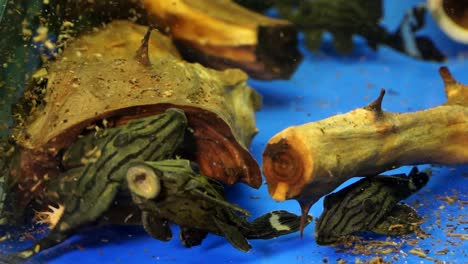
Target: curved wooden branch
<point>222,34</point>
<point>308,161</point>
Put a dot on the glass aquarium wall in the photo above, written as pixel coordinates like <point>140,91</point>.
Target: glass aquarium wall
<point>315,131</point>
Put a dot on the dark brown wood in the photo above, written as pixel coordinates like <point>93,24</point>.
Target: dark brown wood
<point>221,34</point>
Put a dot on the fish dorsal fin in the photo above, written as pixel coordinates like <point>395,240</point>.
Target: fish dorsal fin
<point>220,202</point>
<point>330,200</point>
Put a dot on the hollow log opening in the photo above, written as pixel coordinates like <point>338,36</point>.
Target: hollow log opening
<point>283,167</point>
<point>457,10</point>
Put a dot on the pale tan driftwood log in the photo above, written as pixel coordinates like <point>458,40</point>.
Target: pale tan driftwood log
<point>222,34</point>
<point>308,161</point>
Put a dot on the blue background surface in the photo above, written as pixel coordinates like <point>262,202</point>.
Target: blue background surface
<point>324,84</point>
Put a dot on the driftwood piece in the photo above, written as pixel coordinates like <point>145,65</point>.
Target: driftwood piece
<point>97,77</point>
<point>308,161</point>
<point>452,18</point>
<point>219,34</point>
<point>222,34</point>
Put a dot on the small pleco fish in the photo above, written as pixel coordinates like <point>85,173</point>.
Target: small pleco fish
<point>198,205</point>
<point>363,205</point>
<point>100,177</point>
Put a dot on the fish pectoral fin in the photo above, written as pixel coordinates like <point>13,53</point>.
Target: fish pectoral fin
<point>343,42</point>
<point>233,235</point>
<point>52,239</point>
<point>401,220</point>
<point>156,226</point>
<point>313,39</point>
<point>191,237</point>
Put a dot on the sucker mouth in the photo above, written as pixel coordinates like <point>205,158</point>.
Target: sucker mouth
<point>143,181</point>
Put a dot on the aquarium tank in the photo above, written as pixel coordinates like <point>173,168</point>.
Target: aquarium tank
<point>243,131</point>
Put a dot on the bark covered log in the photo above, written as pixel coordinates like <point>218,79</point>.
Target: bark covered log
<point>308,161</point>
<point>222,34</point>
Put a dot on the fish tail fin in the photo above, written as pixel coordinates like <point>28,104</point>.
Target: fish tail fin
<point>404,39</point>
<point>274,224</point>
<point>429,50</point>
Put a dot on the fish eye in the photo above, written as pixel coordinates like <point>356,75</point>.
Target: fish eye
<point>121,140</point>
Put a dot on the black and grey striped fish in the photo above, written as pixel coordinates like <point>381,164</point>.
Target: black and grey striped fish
<point>362,205</point>
<point>406,41</point>
<point>85,193</point>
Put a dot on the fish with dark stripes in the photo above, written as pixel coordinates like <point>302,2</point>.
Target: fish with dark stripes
<point>175,191</point>
<point>95,183</point>
<point>83,193</point>
<point>370,204</point>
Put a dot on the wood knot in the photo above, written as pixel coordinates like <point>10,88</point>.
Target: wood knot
<point>376,105</point>
<point>142,55</point>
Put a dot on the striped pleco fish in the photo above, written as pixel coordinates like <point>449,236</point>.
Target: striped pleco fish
<point>362,205</point>
<point>198,205</point>
<point>87,192</point>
